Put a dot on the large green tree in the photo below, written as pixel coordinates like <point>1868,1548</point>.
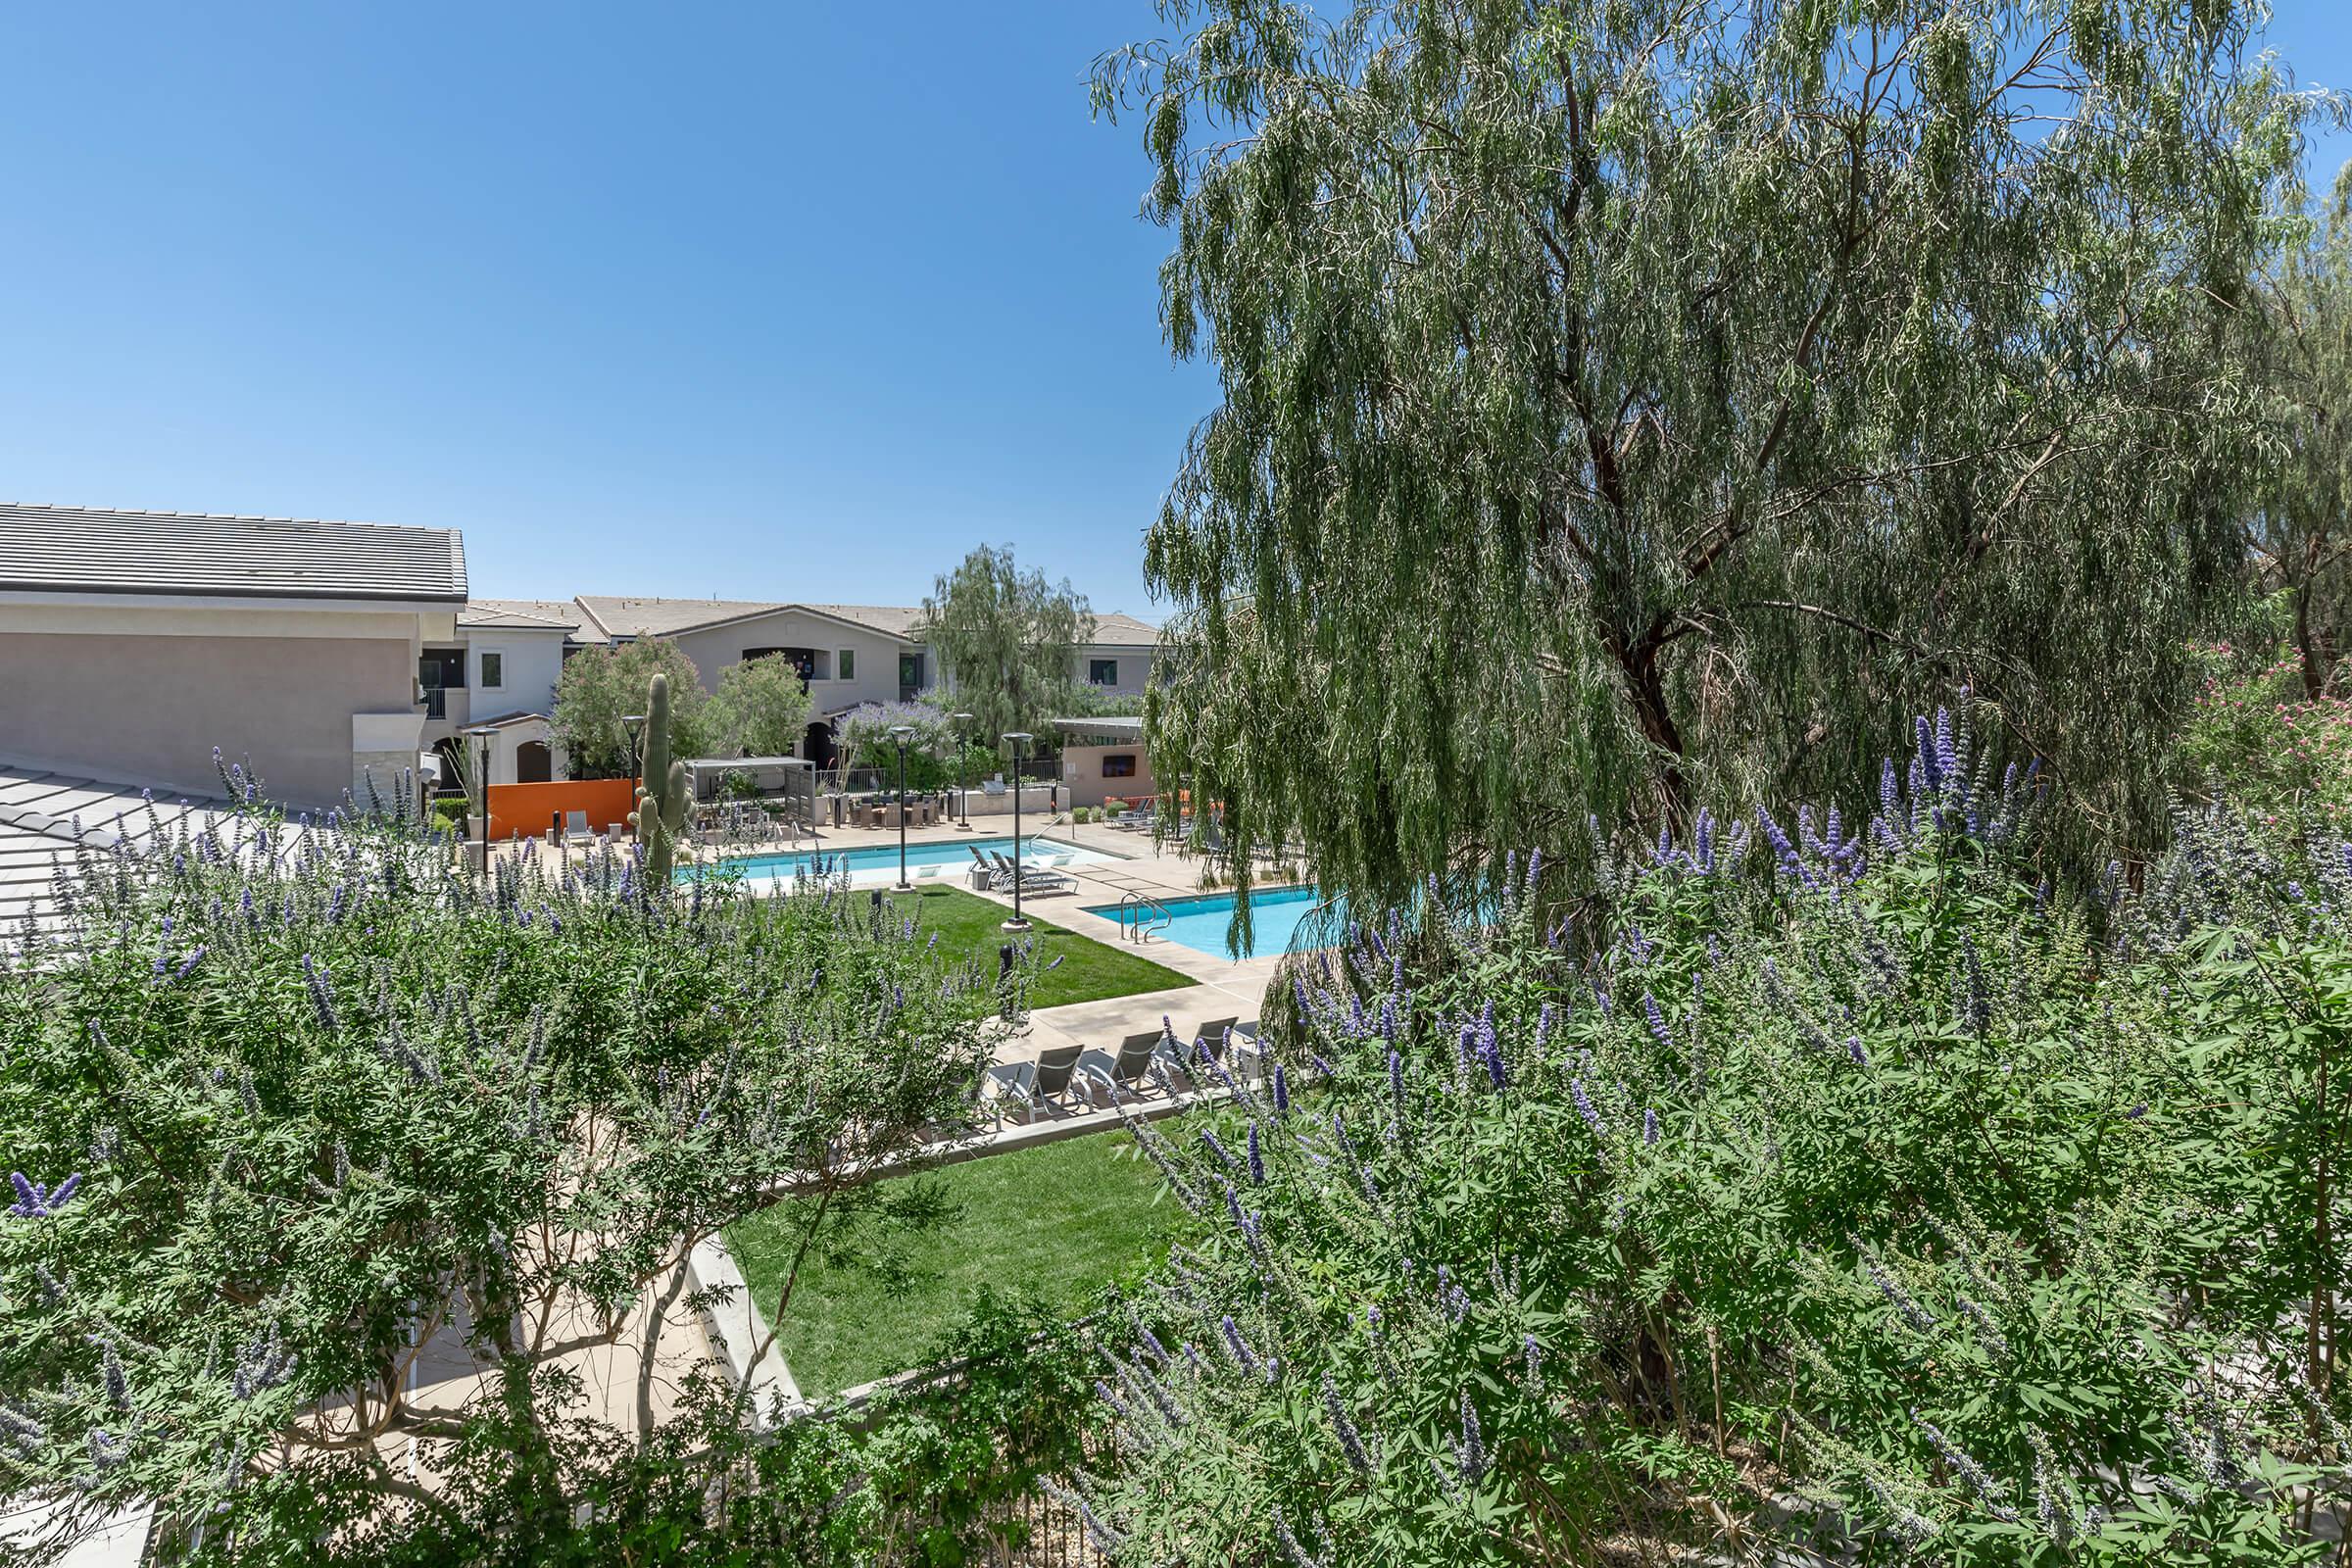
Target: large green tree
<point>1006,641</point>
<point>1621,395</point>
<point>601,686</point>
<point>2300,530</point>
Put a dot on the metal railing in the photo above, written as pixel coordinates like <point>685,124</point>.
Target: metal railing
<point>1139,914</point>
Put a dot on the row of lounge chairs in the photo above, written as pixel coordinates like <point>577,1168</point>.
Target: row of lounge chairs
<point>1040,874</point>
<point>1144,1063</point>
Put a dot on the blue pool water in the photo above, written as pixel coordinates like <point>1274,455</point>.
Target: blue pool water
<point>1201,923</point>
<point>871,859</point>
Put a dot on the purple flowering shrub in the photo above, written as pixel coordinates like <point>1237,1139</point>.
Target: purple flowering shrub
<point>287,1101</point>
<point>1826,1184</point>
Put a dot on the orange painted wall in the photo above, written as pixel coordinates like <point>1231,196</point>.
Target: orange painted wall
<point>526,811</point>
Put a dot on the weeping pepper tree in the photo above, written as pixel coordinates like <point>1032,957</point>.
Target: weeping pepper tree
<point>1621,397</point>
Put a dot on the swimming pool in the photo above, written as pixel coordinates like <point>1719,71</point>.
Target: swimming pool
<point>879,863</point>
<point>1201,923</point>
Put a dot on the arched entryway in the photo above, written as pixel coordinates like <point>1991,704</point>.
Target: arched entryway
<point>534,764</point>
<point>817,743</point>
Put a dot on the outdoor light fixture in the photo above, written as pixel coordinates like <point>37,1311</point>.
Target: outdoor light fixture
<point>482,735</point>
<point>903,733</point>
<point>1017,739</point>
<point>634,723</point>
<point>963,772</point>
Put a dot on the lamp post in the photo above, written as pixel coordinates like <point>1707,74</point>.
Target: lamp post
<point>634,724</point>
<point>963,772</point>
<point>903,733</point>
<point>482,735</point>
<point>1017,739</point>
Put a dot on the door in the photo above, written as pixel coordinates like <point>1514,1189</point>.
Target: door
<point>534,764</point>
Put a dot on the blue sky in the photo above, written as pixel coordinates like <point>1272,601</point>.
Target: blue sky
<point>777,301</point>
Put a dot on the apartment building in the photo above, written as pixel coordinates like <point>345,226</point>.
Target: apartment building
<point>132,644</point>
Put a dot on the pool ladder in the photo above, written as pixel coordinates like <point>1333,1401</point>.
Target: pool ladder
<point>1144,914</point>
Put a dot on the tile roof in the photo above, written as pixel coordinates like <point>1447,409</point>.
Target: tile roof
<point>526,614</point>
<point>96,550</point>
<point>897,620</point>
<point>43,815</point>
<point>622,617</point>
<point>619,617</point>
<point>1115,630</point>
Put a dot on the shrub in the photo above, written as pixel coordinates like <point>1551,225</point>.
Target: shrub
<point>1845,1189</point>
<point>2254,737</point>
<point>286,1102</point>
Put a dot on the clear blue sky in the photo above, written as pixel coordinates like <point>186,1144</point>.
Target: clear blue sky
<point>770,301</point>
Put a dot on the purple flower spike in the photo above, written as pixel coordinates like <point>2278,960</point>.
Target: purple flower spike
<point>35,1202</point>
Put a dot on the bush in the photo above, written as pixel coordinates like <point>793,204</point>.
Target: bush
<point>286,1102</point>
<point>1849,1189</point>
<point>2254,737</point>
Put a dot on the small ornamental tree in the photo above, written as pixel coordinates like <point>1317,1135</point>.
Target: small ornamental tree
<point>931,751</point>
<point>335,1161</point>
<point>601,685</point>
<point>1830,1189</point>
<point>761,709</point>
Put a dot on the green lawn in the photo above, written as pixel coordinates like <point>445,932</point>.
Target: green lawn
<point>1063,1219</point>
<point>1088,970</point>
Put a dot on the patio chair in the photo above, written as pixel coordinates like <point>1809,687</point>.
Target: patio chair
<point>1033,878</point>
<point>983,874</point>
<point>1173,1061</point>
<point>576,829</point>
<point>1118,1076</point>
<point>1041,1084</point>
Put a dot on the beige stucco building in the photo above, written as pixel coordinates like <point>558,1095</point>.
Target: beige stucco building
<point>135,643</point>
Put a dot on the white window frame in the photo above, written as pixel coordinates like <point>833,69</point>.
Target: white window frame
<point>481,668</point>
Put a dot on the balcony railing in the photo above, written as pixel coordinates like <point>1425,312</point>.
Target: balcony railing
<point>436,702</point>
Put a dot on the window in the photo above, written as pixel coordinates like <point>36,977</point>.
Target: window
<point>494,669</point>
<point>1118,764</point>
<point>440,667</point>
<point>848,664</point>
<point>1102,672</point>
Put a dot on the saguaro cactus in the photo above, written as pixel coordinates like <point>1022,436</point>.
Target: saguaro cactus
<point>660,815</point>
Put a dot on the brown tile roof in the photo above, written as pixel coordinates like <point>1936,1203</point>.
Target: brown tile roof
<point>98,550</point>
<point>526,614</point>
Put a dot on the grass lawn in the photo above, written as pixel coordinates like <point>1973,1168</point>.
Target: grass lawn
<point>1062,1219</point>
<point>1089,972</point>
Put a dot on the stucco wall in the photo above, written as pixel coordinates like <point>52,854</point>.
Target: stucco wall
<point>534,658</point>
<point>1082,773</point>
<point>877,678</point>
<point>1135,669</point>
<point>149,710</point>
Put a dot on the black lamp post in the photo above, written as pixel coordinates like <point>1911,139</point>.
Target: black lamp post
<point>963,772</point>
<point>903,733</point>
<point>482,735</point>
<point>634,724</point>
<point>1017,739</point>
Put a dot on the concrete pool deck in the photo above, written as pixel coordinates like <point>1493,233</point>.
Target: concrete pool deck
<point>1225,987</point>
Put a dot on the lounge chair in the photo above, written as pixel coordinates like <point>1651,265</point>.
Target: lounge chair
<point>1040,1085</point>
<point>1033,878</point>
<point>1118,1076</point>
